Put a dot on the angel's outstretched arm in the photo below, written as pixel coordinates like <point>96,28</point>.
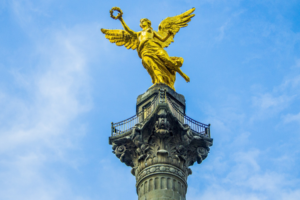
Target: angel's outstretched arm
<point>131,32</point>
<point>161,38</point>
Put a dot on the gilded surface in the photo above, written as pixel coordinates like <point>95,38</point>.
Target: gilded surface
<point>150,45</point>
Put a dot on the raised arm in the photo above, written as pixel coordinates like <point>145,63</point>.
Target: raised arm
<point>163,39</point>
<point>131,32</point>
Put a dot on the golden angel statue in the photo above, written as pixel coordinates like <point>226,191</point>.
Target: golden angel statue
<point>150,45</point>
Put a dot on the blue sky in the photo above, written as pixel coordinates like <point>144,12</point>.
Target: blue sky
<point>62,84</point>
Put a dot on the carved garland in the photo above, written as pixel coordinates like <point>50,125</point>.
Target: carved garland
<point>163,168</point>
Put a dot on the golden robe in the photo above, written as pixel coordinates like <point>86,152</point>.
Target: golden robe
<point>157,62</point>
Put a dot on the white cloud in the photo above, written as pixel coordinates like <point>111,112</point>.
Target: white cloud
<point>292,118</point>
<point>227,24</point>
<point>266,101</point>
<point>38,128</point>
<point>282,97</point>
<point>245,179</point>
<point>291,83</point>
<point>222,29</point>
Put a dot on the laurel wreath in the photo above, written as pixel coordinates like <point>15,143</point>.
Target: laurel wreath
<point>116,9</point>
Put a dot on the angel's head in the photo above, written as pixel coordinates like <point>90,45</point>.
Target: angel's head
<point>145,23</point>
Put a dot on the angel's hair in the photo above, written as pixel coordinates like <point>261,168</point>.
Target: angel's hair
<point>146,20</point>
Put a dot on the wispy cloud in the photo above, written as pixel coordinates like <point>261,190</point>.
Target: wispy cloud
<point>226,25</point>
<point>267,101</point>
<point>37,123</point>
<point>292,118</point>
<point>246,180</point>
<point>280,98</point>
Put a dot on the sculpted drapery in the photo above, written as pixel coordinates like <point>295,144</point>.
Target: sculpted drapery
<point>150,45</point>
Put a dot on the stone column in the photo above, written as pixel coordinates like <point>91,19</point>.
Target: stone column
<point>161,181</point>
<point>160,143</point>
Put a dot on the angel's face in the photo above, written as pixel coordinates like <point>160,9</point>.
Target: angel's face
<point>144,24</point>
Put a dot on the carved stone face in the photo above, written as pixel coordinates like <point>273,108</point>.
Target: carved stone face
<point>162,128</point>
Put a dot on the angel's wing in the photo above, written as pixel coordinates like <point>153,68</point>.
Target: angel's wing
<point>121,37</point>
<point>174,24</point>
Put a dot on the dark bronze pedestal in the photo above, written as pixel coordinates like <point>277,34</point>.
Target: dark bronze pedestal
<point>160,143</point>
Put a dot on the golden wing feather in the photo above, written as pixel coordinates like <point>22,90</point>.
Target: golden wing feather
<point>121,37</point>
<point>174,24</point>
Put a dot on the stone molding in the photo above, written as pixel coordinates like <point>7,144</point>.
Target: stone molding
<point>161,169</point>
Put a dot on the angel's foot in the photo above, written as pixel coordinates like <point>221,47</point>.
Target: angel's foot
<point>179,62</point>
<point>186,78</point>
